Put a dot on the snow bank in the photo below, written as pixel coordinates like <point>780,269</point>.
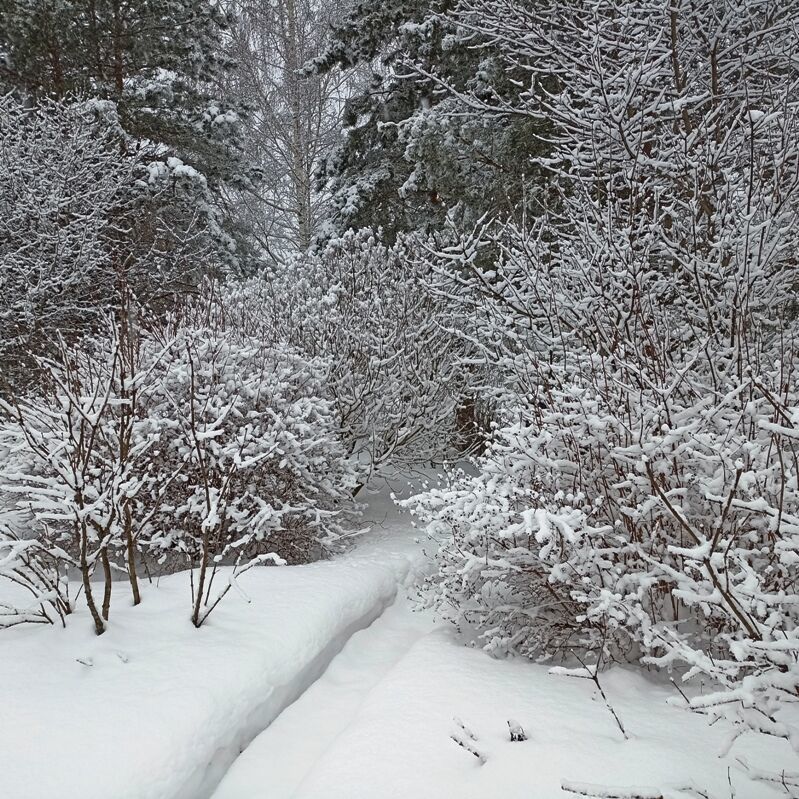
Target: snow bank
<point>155,709</point>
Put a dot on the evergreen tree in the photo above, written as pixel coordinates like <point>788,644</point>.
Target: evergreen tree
<point>159,62</point>
<point>415,152</point>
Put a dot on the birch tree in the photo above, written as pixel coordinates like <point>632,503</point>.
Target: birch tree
<point>294,116</point>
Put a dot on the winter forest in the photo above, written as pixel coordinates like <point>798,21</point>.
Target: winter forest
<point>399,399</point>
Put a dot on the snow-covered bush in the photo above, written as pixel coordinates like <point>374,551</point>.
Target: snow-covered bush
<point>202,445</point>
<point>253,443</point>
<point>641,499</point>
<point>492,577</point>
<point>60,180</point>
<point>675,543</point>
<point>40,571</point>
<point>363,307</point>
<point>77,457</point>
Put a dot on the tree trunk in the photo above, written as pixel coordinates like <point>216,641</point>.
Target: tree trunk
<point>99,624</point>
<point>131,556</point>
<point>201,585</point>
<point>107,576</point>
<point>300,168</point>
<point>119,75</point>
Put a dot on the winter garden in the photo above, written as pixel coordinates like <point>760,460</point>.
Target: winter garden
<point>399,399</point>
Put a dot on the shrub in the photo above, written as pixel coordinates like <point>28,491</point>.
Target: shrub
<point>203,446</point>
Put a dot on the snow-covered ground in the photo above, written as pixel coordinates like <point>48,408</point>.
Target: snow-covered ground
<point>380,723</point>
<point>398,744</point>
<point>155,709</point>
<point>279,761</point>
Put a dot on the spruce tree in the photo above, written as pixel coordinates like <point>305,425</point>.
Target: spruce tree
<point>414,154</point>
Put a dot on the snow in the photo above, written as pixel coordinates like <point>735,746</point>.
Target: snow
<point>282,756</point>
<point>366,694</point>
<point>156,709</point>
<point>400,741</point>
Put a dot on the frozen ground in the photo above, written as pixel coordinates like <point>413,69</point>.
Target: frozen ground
<point>155,709</point>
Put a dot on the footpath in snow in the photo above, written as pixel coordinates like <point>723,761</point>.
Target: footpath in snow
<point>398,743</point>
<point>329,685</point>
<point>280,759</point>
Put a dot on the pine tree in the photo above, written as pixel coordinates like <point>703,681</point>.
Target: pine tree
<point>158,61</point>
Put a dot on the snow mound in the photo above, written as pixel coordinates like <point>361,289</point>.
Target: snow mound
<point>155,709</point>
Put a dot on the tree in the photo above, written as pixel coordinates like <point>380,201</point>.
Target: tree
<point>60,179</point>
<point>157,62</point>
<point>413,156</point>
<point>640,497</point>
<point>85,228</point>
<point>294,117</point>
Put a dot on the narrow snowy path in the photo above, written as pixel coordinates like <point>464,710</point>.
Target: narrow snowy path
<point>277,761</point>
<point>274,765</point>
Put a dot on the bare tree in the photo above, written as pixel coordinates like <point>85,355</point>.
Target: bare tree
<point>294,117</point>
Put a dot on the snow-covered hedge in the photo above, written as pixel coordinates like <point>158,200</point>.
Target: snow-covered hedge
<point>677,545</point>
<point>364,308</point>
<point>252,435</point>
<point>641,500</point>
<point>197,446</point>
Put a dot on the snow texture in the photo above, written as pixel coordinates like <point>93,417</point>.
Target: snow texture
<point>397,741</point>
<point>155,709</point>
